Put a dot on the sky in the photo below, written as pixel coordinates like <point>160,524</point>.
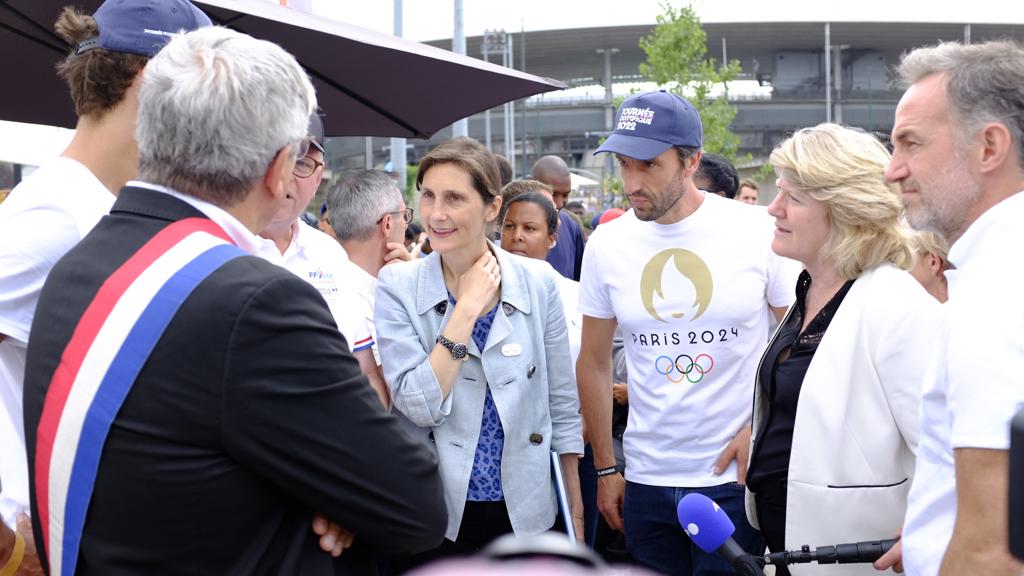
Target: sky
<point>434,19</point>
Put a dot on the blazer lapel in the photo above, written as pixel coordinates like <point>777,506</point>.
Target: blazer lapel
<point>515,297</point>
<point>431,291</point>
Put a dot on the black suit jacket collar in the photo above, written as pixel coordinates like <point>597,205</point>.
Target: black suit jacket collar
<point>154,204</point>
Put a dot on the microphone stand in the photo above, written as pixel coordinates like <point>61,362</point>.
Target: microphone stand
<point>860,552</point>
<point>747,565</point>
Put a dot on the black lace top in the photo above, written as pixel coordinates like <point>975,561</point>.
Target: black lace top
<point>782,381</point>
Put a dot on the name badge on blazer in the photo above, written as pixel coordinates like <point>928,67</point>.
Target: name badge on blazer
<point>511,350</point>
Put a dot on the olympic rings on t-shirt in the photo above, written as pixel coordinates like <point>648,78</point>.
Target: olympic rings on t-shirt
<point>686,369</point>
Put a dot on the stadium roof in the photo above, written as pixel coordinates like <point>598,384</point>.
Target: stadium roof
<point>571,54</point>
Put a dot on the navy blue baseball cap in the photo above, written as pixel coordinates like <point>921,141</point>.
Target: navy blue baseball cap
<point>652,122</point>
<point>316,132</point>
<point>142,27</point>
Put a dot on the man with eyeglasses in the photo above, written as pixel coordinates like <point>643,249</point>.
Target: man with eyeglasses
<point>369,215</point>
<point>316,257</point>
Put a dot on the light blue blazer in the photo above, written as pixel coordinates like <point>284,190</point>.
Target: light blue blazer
<point>525,363</point>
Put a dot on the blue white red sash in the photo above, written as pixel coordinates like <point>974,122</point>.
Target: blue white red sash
<point>97,369</point>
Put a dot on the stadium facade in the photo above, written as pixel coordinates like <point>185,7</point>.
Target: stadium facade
<point>794,73</point>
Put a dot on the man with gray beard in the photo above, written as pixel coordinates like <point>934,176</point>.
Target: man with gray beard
<point>958,156</point>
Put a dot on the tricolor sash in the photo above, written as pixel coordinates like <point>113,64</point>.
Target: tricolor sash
<point>108,348</point>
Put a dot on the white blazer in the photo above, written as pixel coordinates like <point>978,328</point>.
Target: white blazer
<point>857,421</point>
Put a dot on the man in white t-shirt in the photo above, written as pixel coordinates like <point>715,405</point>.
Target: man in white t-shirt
<point>690,278</point>
<point>58,204</point>
<point>958,157</point>
<point>317,258</point>
<point>369,216</point>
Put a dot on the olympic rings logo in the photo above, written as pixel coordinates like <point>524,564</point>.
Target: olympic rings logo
<point>689,368</point>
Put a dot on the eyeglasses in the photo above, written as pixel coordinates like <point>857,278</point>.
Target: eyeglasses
<point>406,215</point>
<point>306,166</point>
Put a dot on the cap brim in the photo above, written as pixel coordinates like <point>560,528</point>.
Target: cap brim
<point>318,146</point>
<point>633,146</point>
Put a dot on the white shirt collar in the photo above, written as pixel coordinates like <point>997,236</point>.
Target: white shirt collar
<point>973,240</point>
<point>241,235</point>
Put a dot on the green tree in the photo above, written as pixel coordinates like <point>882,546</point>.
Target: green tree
<point>676,59</point>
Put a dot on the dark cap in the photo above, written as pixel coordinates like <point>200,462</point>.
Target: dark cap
<point>652,122</point>
<point>316,132</point>
<point>142,27</point>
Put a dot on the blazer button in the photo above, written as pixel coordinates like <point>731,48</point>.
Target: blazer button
<point>536,439</point>
<point>531,371</point>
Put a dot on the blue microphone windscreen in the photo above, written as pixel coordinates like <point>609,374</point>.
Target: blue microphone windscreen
<point>704,522</point>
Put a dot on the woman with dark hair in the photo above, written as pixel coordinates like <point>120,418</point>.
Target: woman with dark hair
<point>530,229</point>
<point>717,175</point>
<point>473,347</point>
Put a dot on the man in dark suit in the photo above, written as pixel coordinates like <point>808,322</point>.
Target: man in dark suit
<point>244,412</point>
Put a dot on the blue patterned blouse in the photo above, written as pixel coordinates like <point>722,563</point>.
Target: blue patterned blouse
<point>485,479</point>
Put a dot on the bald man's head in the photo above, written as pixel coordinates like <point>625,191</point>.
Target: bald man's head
<point>553,171</point>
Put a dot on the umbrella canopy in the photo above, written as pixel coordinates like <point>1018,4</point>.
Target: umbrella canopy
<point>368,83</point>
<point>577,181</point>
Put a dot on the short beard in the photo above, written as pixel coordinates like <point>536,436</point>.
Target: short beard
<point>673,192</point>
<point>945,210</point>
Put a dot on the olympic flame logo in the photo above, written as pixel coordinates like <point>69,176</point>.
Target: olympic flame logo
<point>684,367</point>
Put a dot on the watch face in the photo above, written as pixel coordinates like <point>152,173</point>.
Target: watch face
<point>459,351</point>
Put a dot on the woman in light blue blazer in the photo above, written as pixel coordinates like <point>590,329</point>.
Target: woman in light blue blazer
<point>473,346</point>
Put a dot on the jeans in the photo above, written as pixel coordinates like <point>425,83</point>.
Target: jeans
<point>657,542</point>
<point>588,491</point>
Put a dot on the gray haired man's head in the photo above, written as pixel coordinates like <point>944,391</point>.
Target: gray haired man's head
<point>215,108</point>
<point>358,199</point>
<point>982,81</point>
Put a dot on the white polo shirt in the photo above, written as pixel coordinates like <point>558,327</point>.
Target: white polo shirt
<point>361,308</point>
<point>44,217</point>
<point>974,387</point>
<point>322,261</point>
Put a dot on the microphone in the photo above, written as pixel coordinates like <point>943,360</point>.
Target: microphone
<point>711,530</point>
<point>1016,508</point>
<point>858,553</point>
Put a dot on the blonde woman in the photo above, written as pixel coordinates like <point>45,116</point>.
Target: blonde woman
<point>837,392</point>
<point>931,260</point>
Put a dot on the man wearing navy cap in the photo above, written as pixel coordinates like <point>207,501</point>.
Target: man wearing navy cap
<point>317,257</point>
<point>58,204</point>
<point>692,301</point>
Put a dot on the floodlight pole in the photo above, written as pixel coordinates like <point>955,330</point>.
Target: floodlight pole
<point>828,72</point>
<point>460,127</point>
<point>398,158</point>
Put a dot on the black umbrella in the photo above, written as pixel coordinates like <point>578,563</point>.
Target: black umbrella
<point>367,83</point>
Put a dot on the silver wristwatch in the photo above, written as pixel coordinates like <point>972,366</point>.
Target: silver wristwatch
<point>458,350</point>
